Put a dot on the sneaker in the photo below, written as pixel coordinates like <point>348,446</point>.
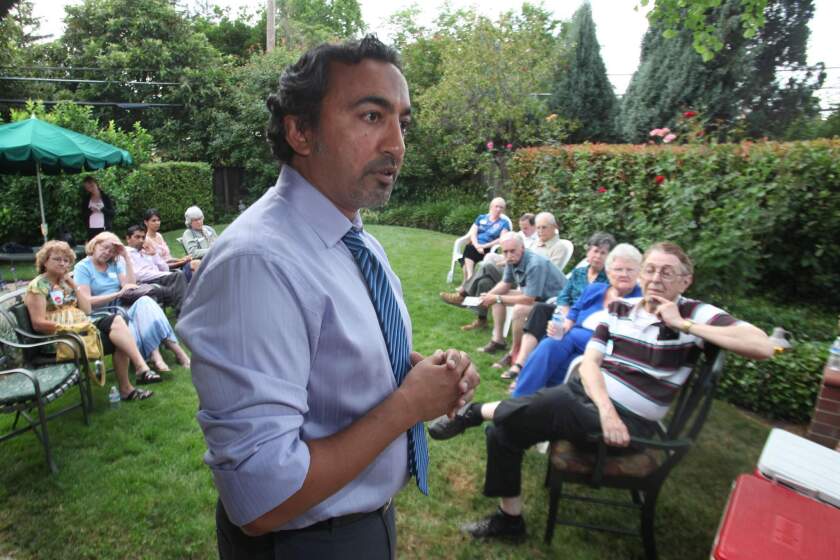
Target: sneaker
<point>452,298</point>
<point>444,428</point>
<point>497,526</point>
<point>480,323</point>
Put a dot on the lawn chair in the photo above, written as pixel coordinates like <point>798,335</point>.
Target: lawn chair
<point>29,382</point>
<point>643,473</point>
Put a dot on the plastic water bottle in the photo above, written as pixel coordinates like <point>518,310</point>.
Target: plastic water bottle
<point>114,397</point>
<point>558,319</point>
<point>833,362</point>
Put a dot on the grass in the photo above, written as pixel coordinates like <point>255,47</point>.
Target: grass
<point>133,485</point>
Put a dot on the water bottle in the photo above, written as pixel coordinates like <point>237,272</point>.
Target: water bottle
<point>114,397</point>
<point>558,319</point>
<point>833,362</point>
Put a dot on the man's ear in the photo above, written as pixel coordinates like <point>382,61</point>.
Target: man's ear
<point>298,136</point>
<point>687,280</point>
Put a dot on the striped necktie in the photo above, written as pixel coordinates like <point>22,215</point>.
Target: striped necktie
<point>393,330</point>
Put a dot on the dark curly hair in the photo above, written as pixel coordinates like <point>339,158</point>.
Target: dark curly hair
<point>303,86</point>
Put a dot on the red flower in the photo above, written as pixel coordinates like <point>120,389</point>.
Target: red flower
<point>509,146</point>
<point>689,114</point>
<point>659,179</point>
<point>602,189</point>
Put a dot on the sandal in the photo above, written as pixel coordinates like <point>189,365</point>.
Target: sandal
<point>137,395</point>
<point>512,373</point>
<point>504,362</point>
<point>493,347</point>
<point>147,377</point>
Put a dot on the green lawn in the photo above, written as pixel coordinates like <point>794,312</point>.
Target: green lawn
<point>133,485</point>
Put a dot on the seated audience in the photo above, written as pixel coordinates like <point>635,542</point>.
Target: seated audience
<point>536,279</point>
<point>597,248</point>
<point>197,238</point>
<point>487,276</point>
<point>106,275</point>
<point>49,299</point>
<point>625,387</point>
<point>151,219</point>
<point>150,268</point>
<point>485,234</point>
<point>547,364</point>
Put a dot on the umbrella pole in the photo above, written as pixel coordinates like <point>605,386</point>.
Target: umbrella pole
<point>41,200</point>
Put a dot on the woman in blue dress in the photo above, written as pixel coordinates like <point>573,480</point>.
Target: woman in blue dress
<point>104,276</point>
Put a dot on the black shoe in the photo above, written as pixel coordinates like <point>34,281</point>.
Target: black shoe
<point>497,526</point>
<point>444,428</point>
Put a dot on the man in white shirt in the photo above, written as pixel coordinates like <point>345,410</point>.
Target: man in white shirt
<point>150,268</point>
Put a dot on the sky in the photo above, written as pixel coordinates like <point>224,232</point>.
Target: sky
<point>619,25</point>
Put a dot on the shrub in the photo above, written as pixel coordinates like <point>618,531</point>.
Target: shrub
<point>784,387</point>
<point>755,217</point>
<point>171,188</point>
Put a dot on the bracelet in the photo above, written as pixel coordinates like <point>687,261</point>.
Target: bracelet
<point>686,326</point>
<point>498,299</point>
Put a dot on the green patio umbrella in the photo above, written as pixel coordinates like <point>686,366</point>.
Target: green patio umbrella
<point>35,147</point>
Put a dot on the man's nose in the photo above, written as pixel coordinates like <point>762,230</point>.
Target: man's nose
<point>394,141</point>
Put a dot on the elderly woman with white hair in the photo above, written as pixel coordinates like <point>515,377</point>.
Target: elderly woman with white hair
<point>547,364</point>
<point>198,237</point>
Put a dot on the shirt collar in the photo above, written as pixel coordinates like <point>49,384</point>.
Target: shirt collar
<point>327,221</point>
<point>550,243</point>
<point>520,266</point>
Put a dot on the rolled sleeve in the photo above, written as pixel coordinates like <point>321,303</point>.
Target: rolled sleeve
<point>251,381</point>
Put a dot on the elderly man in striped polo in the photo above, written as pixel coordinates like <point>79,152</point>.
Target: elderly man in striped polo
<point>642,352</point>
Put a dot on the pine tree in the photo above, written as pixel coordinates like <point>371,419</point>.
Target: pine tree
<point>739,89</point>
<point>582,91</point>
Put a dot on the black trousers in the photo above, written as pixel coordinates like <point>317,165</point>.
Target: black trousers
<point>371,536</point>
<point>561,412</point>
<point>170,290</point>
<point>538,318</point>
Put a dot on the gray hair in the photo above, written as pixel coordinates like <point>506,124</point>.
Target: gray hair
<point>548,216</point>
<point>192,213</point>
<point>624,251</point>
<point>601,239</point>
<point>512,236</point>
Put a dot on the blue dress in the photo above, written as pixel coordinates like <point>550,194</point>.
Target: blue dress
<point>548,363</point>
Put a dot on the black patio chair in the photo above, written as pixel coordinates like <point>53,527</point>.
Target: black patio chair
<point>28,384</point>
<point>642,473</point>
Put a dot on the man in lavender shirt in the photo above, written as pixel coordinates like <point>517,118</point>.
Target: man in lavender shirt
<point>150,268</point>
<point>304,421</point>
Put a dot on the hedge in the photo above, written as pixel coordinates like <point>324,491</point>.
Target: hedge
<point>170,187</point>
<point>756,217</point>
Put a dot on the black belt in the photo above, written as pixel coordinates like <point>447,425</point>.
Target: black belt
<point>344,520</point>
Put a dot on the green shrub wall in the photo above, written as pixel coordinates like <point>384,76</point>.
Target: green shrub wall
<point>170,187</point>
<point>756,217</point>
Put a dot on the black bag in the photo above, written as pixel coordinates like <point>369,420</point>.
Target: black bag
<point>130,296</point>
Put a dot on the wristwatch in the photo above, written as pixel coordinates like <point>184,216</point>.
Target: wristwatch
<point>686,326</point>
<point>498,299</point>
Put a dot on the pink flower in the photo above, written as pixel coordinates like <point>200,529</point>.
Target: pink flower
<point>659,179</point>
<point>656,132</point>
<point>670,137</point>
<point>689,114</point>
<point>602,189</point>
<point>490,145</point>
<point>509,146</point>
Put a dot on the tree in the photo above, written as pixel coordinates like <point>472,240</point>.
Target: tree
<point>239,37</point>
<point>582,92</point>
<point>737,92</point>
<point>673,15</point>
<point>485,102</point>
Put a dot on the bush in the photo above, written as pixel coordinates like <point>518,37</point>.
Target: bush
<point>171,188</point>
<point>755,217</point>
<point>447,213</point>
<point>784,387</point>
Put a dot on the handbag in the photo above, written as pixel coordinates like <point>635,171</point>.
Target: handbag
<point>131,295</point>
<point>73,320</point>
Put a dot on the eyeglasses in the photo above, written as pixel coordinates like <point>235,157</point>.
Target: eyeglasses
<point>666,273</point>
<point>624,270</point>
<point>58,259</point>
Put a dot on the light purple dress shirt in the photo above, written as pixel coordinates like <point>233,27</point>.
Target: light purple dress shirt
<point>287,348</point>
<point>147,267</point>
